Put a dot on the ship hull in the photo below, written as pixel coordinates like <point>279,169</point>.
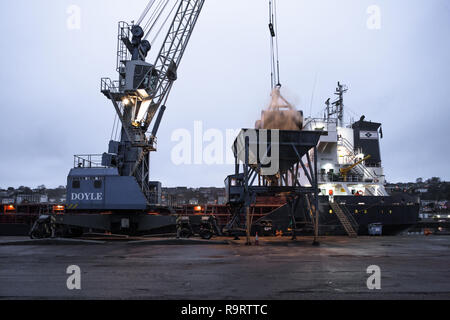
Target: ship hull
<point>395,213</point>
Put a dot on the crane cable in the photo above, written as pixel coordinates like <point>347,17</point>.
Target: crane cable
<point>146,10</point>
<point>274,49</point>
<point>152,15</point>
<point>164,23</point>
<point>155,17</point>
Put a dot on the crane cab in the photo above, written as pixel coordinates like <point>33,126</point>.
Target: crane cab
<point>93,187</point>
<point>234,189</point>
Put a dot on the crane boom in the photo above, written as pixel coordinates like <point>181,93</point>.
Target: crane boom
<point>345,171</point>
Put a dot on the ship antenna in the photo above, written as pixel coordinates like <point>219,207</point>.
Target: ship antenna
<point>339,103</point>
<point>328,112</point>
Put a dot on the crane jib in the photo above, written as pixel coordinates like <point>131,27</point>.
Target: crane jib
<point>172,51</point>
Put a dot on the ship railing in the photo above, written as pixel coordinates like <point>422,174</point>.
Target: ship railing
<point>373,165</point>
<point>374,192</point>
<point>353,157</point>
<point>340,178</point>
<point>88,161</point>
<point>320,124</point>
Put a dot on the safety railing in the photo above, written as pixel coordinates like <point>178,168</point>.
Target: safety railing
<point>107,85</point>
<point>362,168</point>
<point>339,178</point>
<point>88,161</point>
<point>122,50</point>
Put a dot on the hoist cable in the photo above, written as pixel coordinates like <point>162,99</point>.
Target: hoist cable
<point>271,44</point>
<point>146,10</point>
<point>153,15</point>
<point>164,23</point>
<point>276,40</point>
<point>274,48</point>
<point>272,61</point>
<point>156,20</point>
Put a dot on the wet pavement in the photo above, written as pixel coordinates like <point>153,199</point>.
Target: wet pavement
<point>412,267</point>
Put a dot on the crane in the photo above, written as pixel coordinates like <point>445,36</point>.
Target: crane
<point>117,182</point>
<point>142,90</point>
<point>345,171</point>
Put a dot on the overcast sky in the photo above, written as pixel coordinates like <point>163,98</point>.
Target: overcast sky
<point>51,107</point>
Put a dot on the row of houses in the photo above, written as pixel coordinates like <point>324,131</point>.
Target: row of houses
<point>173,197</point>
<point>435,206</point>
<point>33,197</point>
<point>407,187</point>
<point>181,196</point>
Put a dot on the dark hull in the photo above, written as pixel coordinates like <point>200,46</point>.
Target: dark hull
<point>396,213</point>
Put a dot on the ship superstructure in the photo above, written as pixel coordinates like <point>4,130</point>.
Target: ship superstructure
<point>351,176</point>
<point>349,157</point>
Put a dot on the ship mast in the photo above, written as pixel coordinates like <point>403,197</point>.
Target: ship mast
<point>337,107</point>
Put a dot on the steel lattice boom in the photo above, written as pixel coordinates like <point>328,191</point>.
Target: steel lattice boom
<point>172,51</point>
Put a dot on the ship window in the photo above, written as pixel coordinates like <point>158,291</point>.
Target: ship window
<point>97,184</point>
<point>76,184</point>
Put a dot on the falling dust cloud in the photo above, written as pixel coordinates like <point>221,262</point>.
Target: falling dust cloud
<point>280,115</point>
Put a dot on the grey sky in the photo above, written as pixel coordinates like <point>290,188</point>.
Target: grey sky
<point>51,107</point>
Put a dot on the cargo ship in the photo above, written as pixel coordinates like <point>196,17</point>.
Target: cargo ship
<point>351,177</point>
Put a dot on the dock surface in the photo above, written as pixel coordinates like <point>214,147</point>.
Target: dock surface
<point>412,267</point>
